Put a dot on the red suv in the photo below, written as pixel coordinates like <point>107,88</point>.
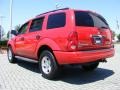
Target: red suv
<point>61,37</point>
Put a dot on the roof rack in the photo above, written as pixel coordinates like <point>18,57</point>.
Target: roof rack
<point>52,11</point>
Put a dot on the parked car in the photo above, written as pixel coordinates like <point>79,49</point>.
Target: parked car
<point>62,37</point>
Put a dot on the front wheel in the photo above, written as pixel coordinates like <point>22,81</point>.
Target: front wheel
<point>90,66</point>
<point>48,65</point>
<point>10,55</point>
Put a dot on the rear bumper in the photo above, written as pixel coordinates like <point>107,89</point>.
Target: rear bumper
<point>83,56</point>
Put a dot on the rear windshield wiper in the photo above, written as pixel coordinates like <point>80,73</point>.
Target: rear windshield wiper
<point>103,27</point>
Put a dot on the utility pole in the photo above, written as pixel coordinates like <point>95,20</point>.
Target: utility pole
<point>11,7</point>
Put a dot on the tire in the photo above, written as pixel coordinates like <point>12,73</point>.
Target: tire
<point>90,66</point>
<point>48,65</point>
<point>11,56</point>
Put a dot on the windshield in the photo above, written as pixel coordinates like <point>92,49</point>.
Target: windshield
<point>90,20</point>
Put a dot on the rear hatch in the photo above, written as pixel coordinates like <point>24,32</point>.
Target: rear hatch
<point>93,31</point>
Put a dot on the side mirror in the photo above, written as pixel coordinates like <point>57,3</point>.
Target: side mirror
<point>14,32</point>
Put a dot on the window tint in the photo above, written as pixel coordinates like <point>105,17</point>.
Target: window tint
<point>83,19</point>
<point>36,24</point>
<point>99,21</point>
<point>23,29</point>
<point>56,20</point>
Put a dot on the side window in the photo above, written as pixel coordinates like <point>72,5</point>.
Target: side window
<point>36,24</point>
<point>56,20</point>
<point>23,29</point>
<point>83,19</point>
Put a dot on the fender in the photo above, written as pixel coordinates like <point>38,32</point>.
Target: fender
<point>48,42</point>
<point>11,43</point>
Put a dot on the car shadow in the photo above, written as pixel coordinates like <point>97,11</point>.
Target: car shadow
<point>29,66</point>
<point>73,75</point>
<point>78,76</point>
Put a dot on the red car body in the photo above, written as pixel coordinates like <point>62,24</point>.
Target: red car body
<point>71,43</point>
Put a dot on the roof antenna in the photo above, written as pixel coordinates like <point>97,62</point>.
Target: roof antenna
<point>57,6</point>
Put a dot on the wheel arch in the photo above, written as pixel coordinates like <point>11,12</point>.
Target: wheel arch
<point>10,44</point>
<point>47,44</point>
<point>46,47</point>
<point>42,48</point>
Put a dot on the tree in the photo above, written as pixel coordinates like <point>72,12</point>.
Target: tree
<point>113,34</point>
<point>17,27</point>
<point>8,34</point>
<point>118,37</point>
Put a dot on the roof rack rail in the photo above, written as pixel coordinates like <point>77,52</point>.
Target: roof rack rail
<point>53,11</point>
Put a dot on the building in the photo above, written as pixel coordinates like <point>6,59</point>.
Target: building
<point>1,32</point>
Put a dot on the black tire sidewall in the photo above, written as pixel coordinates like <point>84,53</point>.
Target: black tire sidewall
<point>54,65</point>
<point>13,57</point>
<point>90,66</point>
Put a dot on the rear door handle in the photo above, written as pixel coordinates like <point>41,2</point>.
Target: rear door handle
<point>37,37</point>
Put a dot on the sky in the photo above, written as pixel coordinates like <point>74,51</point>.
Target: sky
<point>23,10</point>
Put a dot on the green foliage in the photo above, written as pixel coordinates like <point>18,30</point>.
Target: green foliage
<point>8,34</point>
<point>3,43</point>
<point>118,37</point>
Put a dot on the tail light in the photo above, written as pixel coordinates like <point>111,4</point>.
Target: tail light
<point>72,41</point>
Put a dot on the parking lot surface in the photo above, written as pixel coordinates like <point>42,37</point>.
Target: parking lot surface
<point>26,76</point>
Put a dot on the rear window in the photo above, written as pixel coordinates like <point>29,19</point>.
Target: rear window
<point>90,20</point>
<point>56,20</point>
<point>99,21</point>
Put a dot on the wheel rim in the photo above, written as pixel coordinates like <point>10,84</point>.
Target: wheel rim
<point>46,65</point>
<point>9,54</point>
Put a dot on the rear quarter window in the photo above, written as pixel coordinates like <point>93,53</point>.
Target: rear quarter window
<point>83,19</point>
<point>56,20</point>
